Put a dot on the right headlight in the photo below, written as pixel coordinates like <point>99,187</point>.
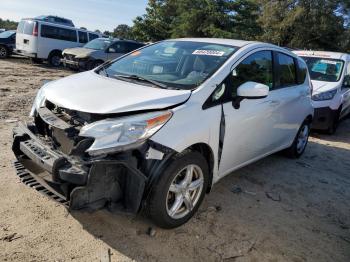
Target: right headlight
<point>39,101</point>
<point>113,135</point>
<point>324,95</point>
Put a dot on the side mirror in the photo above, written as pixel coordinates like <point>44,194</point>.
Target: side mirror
<point>250,90</point>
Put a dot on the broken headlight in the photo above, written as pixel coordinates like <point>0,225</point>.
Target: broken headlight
<point>113,135</point>
<point>39,101</point>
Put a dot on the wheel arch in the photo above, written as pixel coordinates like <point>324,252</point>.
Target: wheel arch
<point>55,51</point>
<point>206,151</point>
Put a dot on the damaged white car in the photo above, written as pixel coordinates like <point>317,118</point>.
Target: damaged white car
<point>156,128</point>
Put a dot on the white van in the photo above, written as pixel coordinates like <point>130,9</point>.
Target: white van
<point>330,76</point>
<point>157,127</point>
<point>41,40</point>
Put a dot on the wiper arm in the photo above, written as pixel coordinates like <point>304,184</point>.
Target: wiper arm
<point>136,77</point>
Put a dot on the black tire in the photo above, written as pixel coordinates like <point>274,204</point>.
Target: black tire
<point>4,52</point>
<point>293,151</point>
<point>54,59</point>
<point>334,123</point>
<point>157,202</point>
<point>93,64</point>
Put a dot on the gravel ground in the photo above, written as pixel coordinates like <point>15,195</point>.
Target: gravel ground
<point>274,210</point>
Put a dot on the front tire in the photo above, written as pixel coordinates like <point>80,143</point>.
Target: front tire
<point>55,59</point>
<point>177,195</point>
<point>4,52</point>
<point>300,141</point>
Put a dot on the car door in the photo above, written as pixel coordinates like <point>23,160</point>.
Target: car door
<point>249,130</point>
<point>116,50</point>
<point>345,91</point>
<point>289,97</point>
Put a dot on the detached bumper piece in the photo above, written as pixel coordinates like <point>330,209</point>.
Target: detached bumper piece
<point>34,182</point>
<point>73,182</point>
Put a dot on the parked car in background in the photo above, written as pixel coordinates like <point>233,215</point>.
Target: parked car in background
<point>7,43</point>
<point>97,52</point>
<point>55,20</point>
<point>42,40</point>
<point>2,30</point>
<point>330,76</point>
<point>159,126</point>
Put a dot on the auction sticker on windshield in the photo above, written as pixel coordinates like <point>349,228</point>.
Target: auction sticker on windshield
<point>208,52</point>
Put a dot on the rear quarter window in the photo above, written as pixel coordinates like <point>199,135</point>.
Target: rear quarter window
<point>58,33</point>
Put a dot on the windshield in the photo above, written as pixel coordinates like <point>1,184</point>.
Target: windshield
<point>98,44</point>
<point>174,64</point>
<point>322,69</point>
<point>6,34</point>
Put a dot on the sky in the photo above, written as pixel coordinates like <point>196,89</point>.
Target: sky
<point>92,14</point>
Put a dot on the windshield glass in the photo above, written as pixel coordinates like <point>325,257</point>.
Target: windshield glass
<point>324,69</point>
<point>6,34</point>
<point>98,44</point>
<point>175,64</point>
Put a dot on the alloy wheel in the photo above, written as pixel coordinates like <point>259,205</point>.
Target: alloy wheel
<point>302,138</point>
<point>3,52</point>
<point>184,191</point>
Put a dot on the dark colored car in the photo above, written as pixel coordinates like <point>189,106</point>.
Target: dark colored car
<point>96,52</point>
<point>7,43</point>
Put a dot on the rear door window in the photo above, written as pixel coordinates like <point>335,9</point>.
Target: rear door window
<point>286,75</point>
<point>20,27</point>
<point>301,71</point>
<point>28,27</point>
<point>83,37</point>
<point>58,33</point>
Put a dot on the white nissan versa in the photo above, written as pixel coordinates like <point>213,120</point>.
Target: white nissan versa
<point>156,128</point>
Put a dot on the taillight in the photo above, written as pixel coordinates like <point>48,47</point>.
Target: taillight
<point>35,29</point>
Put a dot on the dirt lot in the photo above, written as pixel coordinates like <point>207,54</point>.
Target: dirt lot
<point>286,210</point>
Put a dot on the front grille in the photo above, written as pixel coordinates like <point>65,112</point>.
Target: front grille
<point>70,57</point>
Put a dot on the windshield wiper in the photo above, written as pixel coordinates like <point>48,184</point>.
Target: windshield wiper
<point>140,78</point>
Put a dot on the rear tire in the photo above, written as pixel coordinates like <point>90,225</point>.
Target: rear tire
<point>55,59</point>
<point>300,141</point>
<point>4,52</point>
<point>178,193</point>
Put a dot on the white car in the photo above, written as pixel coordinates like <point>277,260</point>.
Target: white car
<point>43,40</point>
<point>330,77</point>
<point>158,127</point>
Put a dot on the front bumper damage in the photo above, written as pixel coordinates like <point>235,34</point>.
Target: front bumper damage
<point>76,182</point>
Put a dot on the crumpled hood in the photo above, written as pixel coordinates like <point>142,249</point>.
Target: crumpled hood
<point>93,93</point>
<point>321,86</point>
<point>79,51</point>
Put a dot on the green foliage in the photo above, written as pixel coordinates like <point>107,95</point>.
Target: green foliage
<point>123,31</point>
<point>8,25</point>
<point>310,24</point>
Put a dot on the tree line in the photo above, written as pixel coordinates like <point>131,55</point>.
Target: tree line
<point>302,24</point>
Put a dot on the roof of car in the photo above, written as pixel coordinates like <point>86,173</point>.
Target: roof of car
<point>119,39</point>
<point>323,54</point>
<point>222,41</point>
